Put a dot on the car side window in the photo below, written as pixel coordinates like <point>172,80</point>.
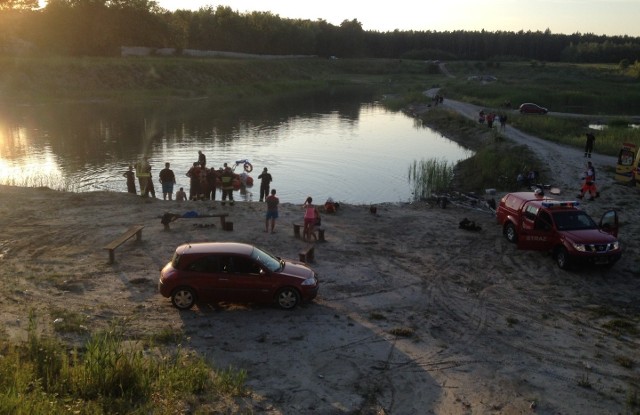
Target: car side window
<point>530,212</point>
<point>226,264</point>
<point>543,221</point>
<point>244,265</point>
<point>208,264</point>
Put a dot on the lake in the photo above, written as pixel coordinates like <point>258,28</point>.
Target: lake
<point>349,148</point>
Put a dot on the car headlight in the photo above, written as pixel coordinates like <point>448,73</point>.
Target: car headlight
<point>310,281</point>
<point>579,247</point>
<point>615,245</point>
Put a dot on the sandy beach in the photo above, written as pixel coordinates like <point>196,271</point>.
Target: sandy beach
<point>414,315</point>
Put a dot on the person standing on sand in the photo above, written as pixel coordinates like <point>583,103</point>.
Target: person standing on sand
<point>212,178</point>
<point>167,180</point>
<point>194,180</point>
<point>150,188</point>
<point>311,216</point>
<point>588,147</point>
<point>589,184</point>
<point>202,159</point>
<point>272,211</point>
<point>131,180</point>
<point>227,185</point>
<point>265,183</point>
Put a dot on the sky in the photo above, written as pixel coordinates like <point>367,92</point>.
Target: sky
<point>609,17</point>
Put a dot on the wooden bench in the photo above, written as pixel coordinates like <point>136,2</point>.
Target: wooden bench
<point>319,229</point>
<point>307,253</point>
<point>167,218</point>
<point>133,230</point>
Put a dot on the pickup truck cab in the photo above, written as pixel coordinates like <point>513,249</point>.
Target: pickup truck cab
<point>562,228</point>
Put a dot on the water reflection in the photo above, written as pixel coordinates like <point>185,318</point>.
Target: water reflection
<point>328,145</point>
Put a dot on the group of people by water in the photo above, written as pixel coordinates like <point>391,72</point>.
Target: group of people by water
<point>204,182</point>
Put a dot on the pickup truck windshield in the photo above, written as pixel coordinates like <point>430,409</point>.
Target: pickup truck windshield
<point>573,221</point>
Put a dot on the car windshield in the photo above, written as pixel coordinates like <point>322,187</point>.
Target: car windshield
<point>573,221</point>
<point>269,261</point>
<point>176,259</point>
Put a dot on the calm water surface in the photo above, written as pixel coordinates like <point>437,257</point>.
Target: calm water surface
<point>351,150</point>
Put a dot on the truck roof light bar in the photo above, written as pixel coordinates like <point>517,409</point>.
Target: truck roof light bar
<point>560,204</point>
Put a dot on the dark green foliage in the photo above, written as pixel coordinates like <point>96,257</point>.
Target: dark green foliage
<point>101,27</point>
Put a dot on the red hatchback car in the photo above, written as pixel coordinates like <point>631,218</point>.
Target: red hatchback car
<point>235,272</point>
<point>529,108</point>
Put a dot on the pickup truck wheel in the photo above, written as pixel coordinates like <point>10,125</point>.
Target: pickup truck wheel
<point>562,258</point>
<point>510,233</point>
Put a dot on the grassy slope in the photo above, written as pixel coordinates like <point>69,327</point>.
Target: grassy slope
<point>229,79</point>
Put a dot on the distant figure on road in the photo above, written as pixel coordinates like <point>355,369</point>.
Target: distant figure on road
<point>490,118</point>
<point>503,121</point>
<point>589,144</point>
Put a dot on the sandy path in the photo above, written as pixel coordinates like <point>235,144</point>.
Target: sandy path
<point>565,163</point>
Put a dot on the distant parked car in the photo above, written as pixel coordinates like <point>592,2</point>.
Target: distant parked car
<point>234,272</point>
<point>530,108</point>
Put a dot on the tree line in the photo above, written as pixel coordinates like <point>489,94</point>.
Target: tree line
<point>101,27</point>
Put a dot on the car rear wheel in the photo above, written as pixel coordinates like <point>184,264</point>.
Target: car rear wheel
<point>510,233</point>
<point>562,258</point>
<point>288,298</point>
<point>183,298</point>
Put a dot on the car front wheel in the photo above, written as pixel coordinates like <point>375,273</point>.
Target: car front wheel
<point>510,233</point>
<point>183,298</point>
<point>288,298</point>
<point>562,258</point>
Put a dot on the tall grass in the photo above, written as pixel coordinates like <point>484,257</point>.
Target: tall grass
<point>107,375</point>
<point>429,176</point>
<point>561,87</point>
<point>496,165</point>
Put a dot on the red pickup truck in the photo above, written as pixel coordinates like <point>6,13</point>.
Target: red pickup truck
<point>560,227</point>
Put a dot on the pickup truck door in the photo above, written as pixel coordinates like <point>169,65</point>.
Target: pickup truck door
<point>609,222</point>
<point>537,231</point>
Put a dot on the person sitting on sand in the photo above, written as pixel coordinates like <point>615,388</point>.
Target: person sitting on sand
<point>181,195</point>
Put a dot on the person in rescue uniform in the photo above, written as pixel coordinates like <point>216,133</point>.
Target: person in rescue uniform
<point>143,172</point>
<point>589,184</point>
<point>227,184</point>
